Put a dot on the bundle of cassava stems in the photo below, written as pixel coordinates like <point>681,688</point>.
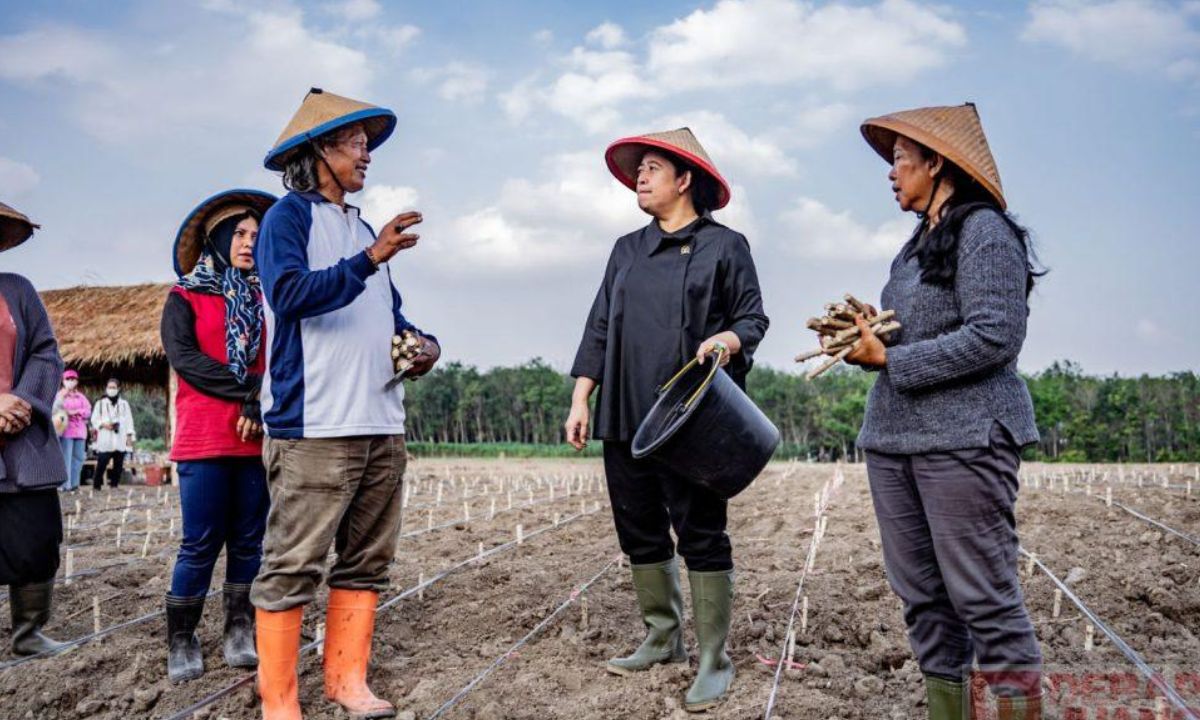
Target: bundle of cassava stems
<point>839,335</point>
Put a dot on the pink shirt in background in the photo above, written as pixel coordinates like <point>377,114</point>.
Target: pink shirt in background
<point>78,410</point>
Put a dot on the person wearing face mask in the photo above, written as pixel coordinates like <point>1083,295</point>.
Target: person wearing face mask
<point>75,409</point>
<point>112,419</point>
<point>213,333</point>
<point>31,466</point>
<point>683,286</point>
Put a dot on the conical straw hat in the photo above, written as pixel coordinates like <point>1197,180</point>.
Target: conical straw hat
<point>624,155</point>
<point>15,228</point>
<point>323,112</point>
<point>954,132</point>
<point>189,241</point>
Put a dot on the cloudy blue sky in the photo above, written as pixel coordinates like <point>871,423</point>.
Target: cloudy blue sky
<point>116,118</point>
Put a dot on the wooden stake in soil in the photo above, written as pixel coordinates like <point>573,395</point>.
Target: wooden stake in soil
<point>69,570</point>
<point>146,543</point>
<point>1108,496</point>
<point>520,534</point>
<point>95,613</point>
<point>1029,566</point>
<point>420,586</point>
<point>1057,603</point>
<point>804,615</point>
<point>466,511</point>
<point>1089,637</point>
<point>583,611</point>
<point>119,532</point>
<point>320,639</point>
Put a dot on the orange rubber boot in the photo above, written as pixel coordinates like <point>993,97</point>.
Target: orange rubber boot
<point>278,636</point>
<point>348,629</point>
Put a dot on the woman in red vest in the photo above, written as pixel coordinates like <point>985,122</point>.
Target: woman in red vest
<point>212,330</point>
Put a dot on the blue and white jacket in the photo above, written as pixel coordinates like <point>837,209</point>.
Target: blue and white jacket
<point>330,316</point>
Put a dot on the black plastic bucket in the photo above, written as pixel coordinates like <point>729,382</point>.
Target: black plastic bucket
<point>706,429</point>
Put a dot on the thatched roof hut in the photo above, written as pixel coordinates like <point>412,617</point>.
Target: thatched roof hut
<point>111,331</point>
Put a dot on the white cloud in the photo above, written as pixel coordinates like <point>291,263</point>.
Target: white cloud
<point>381,203</point>
<point>457,81</point>
<point>251,78</point>
<point>819,232</point>
<point>743,43</point>
<point>16,178</point>
<point>607,35</point>
<point>1135,34</point>
<point>569,217</point>
<point>781,42</point>
<point>355,10</point>
<point>730,147</point>
<point>1149,330</point>
<point>544,36</point>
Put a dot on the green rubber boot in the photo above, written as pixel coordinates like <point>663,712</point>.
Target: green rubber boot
<point>712,605</point>
<point>661,603</point>
<point>946,698</point>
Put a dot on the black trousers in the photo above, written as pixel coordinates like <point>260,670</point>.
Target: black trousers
<point>30,533</point>
<point>118,466</point>
<point>950,548</point>
<point>648,500</point>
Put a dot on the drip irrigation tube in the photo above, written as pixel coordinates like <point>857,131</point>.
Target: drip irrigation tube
<point>1130,654</point>
<point>495,664</point>
<point>228,690</point>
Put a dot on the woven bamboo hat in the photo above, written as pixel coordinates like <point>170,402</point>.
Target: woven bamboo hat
<point>954,132</point>
<point>189,241</point>
<point>15,228</point>
<point>323,112</point>
<point>624,155</point>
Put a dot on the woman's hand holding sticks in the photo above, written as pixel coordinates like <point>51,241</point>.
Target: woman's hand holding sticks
<point>840,331</point>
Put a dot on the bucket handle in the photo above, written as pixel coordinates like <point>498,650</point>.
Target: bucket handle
<point>716,354</point>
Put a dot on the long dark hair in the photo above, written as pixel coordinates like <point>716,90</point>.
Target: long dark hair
<point>936,248</point>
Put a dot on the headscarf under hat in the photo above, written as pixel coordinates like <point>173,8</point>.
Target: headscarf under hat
<point>624,155</point>
<point>213,272</point>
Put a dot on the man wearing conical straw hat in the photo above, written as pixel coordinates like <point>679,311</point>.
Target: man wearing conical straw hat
<point>31,462</point>
<point>948,415</point>
<point>683,286</point>
<point>334,448</point>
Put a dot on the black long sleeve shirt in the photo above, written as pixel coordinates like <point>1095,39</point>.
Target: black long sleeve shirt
<point>207,374</point>
<point>663,294</point>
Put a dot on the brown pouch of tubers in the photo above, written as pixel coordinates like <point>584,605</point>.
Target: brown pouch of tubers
<point>839,335</point>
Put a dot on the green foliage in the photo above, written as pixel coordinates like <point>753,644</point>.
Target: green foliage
<point>519,411</point>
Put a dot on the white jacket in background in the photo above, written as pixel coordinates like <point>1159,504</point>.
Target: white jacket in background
<point>105,412</point>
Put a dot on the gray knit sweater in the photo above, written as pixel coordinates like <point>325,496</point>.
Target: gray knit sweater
<point>32,459</point>
<point>952,370</point>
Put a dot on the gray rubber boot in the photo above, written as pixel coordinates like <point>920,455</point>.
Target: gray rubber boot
<point>30,606</point>
<point>712,606</point>
<point>661,602</point>
<point>184,661</point>
<point>239,645</point>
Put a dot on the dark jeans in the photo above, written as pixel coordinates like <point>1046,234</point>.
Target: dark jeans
<point>649,499</point>
<point>30,533</point>
<point>118,466</point>
<point>224,502</point>
<point>950,547</point>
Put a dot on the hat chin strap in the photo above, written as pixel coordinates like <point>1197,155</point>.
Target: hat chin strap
<point>924,214</point>
<point>321,156</point>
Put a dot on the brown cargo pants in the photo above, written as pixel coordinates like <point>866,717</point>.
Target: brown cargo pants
<point>344,491</point>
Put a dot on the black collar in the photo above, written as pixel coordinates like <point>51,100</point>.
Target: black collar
<point>659,239</point>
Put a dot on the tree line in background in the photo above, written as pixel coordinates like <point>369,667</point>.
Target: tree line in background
<point>1082,418</point>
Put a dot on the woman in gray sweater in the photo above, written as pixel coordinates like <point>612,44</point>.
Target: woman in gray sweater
<point>31,462</point>
<point>948,415</point>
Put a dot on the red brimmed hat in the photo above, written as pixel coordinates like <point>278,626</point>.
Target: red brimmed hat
<point>624,155</point>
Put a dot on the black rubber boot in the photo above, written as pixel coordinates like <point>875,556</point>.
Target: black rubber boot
<point>30,606</point>
<point>239,627</point>
<point>184,661</point>
<point>661,602</point>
